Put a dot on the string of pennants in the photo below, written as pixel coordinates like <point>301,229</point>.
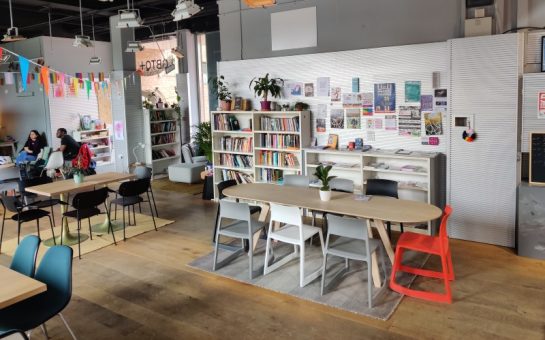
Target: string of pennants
<point>57,81</point>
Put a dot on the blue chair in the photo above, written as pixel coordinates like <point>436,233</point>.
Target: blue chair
<point>24,259</point>
<point>55,270</point>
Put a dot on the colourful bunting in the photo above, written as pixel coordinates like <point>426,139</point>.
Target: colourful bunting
<point>88,88</point>
<point>1,52</point>
<point>23,64</point>
<point>44,73</point>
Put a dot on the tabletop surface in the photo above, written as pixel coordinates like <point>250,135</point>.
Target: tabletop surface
<point>16,287</point>
<point>378,207</point>
<point>68,185</point>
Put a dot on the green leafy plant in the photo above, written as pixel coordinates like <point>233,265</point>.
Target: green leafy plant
<point>220,88</point>
<point>203,139</point>
<point>322,173</point>
<point>264,85</point>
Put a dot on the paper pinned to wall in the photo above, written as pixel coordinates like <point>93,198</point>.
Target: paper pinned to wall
<point>541,105</point>
<point>322,87</point>
<point>119,129</point>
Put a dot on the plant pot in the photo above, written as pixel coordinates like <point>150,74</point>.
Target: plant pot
<point>225,105</point>
<point>325,195</point>
<point>265,105</point>
<point>78,178</point>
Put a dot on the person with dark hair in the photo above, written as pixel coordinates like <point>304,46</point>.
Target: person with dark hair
<point>69,147</point>
<point>32,148</point>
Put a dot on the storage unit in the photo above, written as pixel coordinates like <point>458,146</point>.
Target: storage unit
<point>258,146</point>
<point>100,144</point>
<point>418,174</point>
<point>162,139</point>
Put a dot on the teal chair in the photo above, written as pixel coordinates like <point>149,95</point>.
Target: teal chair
<point>24,259</point>
<point>55,270</point>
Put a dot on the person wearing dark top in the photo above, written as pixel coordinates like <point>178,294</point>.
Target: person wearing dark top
<point>32,148</point>
<point>69,147</point>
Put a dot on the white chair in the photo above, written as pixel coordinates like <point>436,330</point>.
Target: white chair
<point>55,161</point>
<point>351,242</point>
<point>293,232</point>
<point>244,228</point>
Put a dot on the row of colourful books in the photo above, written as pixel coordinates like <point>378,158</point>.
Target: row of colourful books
<point>236,175</point>
<point>279,124</point>
<point>163,127</point>
<point>163,139</point>
<point>271,175</point>
<point>163,153</point>
<point>240,144</point>
<point>279,141</point>
<point>226,122</point>
<point>238,161</point>
<point>275,158</point>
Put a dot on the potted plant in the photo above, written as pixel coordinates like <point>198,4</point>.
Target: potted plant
<point>323,175</point>
<point>300,106</point>
<point>203,139</point>
<point>262,86</point>
<point>220,89</point>
<point>77,171</point>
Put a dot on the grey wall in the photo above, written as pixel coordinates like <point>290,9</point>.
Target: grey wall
<point>342,25</point>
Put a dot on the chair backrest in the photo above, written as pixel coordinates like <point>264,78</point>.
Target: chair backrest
<point>55,270</point>
<point>11,203</point>
<point>90,199</point>
<point>187,154</point>
<point>55,161</point>
<point>347,227</point>
<point>342,184</point>
<point>46,151</point>
<point>381,187</point>
<point>143,172</point>
<point>234,210</point>
<point>24,259</point>
<point>286,214</point>
<point>443,233</point>
<point>224,185</point>
<point>134,188</point>
<point>296,180</point>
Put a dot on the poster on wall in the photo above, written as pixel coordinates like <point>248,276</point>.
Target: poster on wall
<point>337,118</point>
<point>412,91</point>
<point>309,89</point>
<point>541,105</point>
<point>433,123</point>
<point>355,84</point>
<point>353,118</point>
<point>320,125</point>
<point>441,99</point>
<point>322,87</point>
<point>351,100</point>
<point>390,122</point>
<point>119,130</point>
<point>410,121</point>
<point>426,102</point>
<point>367,103</point>
<point>336,94</point>
<point>294,88</point>
<point>385,98</point>
<point>373,124</point>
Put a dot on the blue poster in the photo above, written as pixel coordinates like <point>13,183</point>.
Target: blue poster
<point>385,98</point>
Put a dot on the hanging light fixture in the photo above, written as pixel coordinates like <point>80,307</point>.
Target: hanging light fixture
<point>82,40</point>
<point>185,9</point>
<point>177,52</point>
<point>129,17</point>
<point>259,3</point>
<point>13,32</point>
<point>94,59</point>
<point>134,46</point>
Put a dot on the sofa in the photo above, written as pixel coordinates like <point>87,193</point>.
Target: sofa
<point>190,170</point>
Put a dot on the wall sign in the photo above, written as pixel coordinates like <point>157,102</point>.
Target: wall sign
<point>150,62</point>
<point>541,105</point>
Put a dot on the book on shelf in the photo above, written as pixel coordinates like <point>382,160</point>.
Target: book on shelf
<point>278,141</point>
<point>279,124</point>
<point>237,161</point>
<point>276,158</point>
<point>163,153</point>
<point>240,177</point>
<point>271,175</point>
<point>240,144</point>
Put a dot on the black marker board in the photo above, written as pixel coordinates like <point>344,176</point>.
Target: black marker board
<point>537,158</point>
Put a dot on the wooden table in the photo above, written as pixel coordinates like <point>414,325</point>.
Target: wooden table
<point>378,208</point>
<point>15,287</point>
<point>64,187</point>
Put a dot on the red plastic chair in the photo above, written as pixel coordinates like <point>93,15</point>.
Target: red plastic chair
<point>436,245</point>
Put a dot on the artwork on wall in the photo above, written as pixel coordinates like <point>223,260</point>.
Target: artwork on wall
<point>410,121</point>
<point>322,87</point>
<point>373,124</point>
<point>426,102</point>
<point>390,122</point>
<point>294,88</point>
<point>309,89</point>
<point>352,118</point>
<point>433,123</point>
<point>320,125</point>
<point>385,98</point>
<point>541,105</point>
<point>355,84</point>
<point>351,100</point>
<point>336,94</point>
<point>337,118</point>
<point>412,91</point>
<point>441,100</point>
<point>332,141</point>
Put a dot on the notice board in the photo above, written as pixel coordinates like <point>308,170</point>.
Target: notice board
<point>537,158</point>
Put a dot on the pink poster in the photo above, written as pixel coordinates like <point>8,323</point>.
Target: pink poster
<point>541,105</point>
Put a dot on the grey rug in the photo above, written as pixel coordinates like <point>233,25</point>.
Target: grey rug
<point>349,293</point>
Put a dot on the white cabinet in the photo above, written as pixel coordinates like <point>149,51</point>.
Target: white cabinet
<point>99,142</point>
<point>162,136</point>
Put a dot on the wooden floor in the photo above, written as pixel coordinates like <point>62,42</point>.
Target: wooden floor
<point>142,289</point>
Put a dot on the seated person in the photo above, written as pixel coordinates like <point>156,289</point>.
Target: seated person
<point>69,147</point>
<point>32,148</point>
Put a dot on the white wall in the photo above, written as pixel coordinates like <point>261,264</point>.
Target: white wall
<point>60,54</point>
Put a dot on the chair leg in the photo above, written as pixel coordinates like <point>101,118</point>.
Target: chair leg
<point>62,227</point>
<point>154,205</point>
<point>90,231</point>
<point>124,236</point>
<point>369,283</point>
<point>38,227</point>
<point>68,327</point>
<point>448,292</point>
<point>151,209</point>
<point>401,227</point>
<point>140,208</point>
<point>450,267</point>
<point>18,231</point>
<point>52,232</point>
<point>215,225</point>
<point>267,248</point>
<point>216,243</point>
<point>2,231</point>
<point>302,265</point>
<point>324,265</point>
<point>389,227</point>
<point>79,239</point>
<point>251,254</point>
<point>44,330</point>
<point>53,215</point>
<point>110,227</point>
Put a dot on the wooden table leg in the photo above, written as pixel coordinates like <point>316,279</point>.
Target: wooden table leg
<point>385,239</point>
<point>374,267</point>
<point>265,208</point>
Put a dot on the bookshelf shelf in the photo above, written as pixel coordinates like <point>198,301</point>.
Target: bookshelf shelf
<point>162,139</point>
<point>99,142</point>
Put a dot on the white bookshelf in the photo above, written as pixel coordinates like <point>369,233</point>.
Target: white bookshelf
<point>418,174</point>
<point>162,139</point>
<point>99,142</point>
<point>258,152</point>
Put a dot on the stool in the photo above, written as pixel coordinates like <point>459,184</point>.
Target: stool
<point>185,172</point>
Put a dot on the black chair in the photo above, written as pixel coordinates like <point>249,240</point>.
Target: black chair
<point>222,186</point>
<point>29,198</point>
<point>85,206</point>
<point>383,187</point>
<point>130,196</point>
<point>142,172</point>
<point>23,213</point>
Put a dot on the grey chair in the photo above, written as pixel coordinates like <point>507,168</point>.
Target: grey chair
<point>351,242</point>
<point>296,180</point>
<point>243,227</point>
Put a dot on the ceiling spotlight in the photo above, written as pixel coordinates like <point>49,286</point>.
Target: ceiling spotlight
<point>82,41</point>
<point>12,35</point>
<point>134,46</point>
<point>94,60</point>
<point>177,52</point>
<point>129,18</point>
<point>185,9</point>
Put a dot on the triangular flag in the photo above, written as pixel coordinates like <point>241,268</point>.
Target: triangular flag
<point>88,87</point>
<point>44,72</point>
<point>1,52</point>
<point>23,65</point>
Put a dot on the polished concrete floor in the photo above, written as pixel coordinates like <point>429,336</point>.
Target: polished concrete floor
<point>142,289</point>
